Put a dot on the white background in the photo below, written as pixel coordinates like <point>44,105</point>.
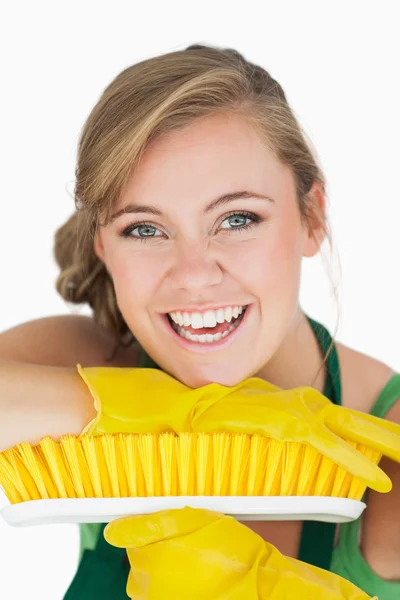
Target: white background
<point>339,65</point>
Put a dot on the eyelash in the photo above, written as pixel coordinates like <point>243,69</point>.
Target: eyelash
<point>254,220</point>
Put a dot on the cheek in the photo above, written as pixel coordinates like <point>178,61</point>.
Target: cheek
<point>135,280</point>
<point>272,262</point>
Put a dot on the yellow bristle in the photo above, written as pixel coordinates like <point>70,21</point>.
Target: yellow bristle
<point>240,448</point>
<point>257,465</point>
<point>7,482</point>
<point>132,464</point>
<point>357,489</point>
<point>169,464</point>
<point>33,461</point>
<point>120,471</point>
<point>98,477</point>
<point>119,487</point>
<point>341,483</point>
<point>308,470</point>
<point>102,465</point>
<point>293,453</point>
<point>325,477</point>
<point>273,473</point>
<point>221,463</point>
<point>185,458</point>
<point>21,476</point>
<point>204,463</point>
<point>150,459</point>
<point>53,456</point>
<point>76,466</point>
<point>168,450</point>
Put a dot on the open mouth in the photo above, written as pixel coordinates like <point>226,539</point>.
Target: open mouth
<point>207,327</point>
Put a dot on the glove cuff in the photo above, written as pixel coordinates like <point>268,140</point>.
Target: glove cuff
<point>91,426</point>
<point>135,400</point>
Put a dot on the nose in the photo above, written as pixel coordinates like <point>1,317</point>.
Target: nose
<point>194,268</point>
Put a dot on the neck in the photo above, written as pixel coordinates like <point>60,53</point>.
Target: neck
<point>298,360</point>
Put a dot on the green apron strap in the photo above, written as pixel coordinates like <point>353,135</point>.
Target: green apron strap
<point>102,573</point>
<point>333,388</point>
<point>318,538</point>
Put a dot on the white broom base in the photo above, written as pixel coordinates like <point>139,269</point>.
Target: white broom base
<point>243,508</point>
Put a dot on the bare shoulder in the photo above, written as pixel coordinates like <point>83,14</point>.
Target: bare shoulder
<point>64,340</point>
<point>363,378</point>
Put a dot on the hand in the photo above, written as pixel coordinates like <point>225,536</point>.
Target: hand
<point>198,554</point>
<point>150,401</point>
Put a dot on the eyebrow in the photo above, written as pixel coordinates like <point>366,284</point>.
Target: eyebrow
<point>146,208</point>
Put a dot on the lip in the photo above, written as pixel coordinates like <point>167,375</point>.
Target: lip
<point>202,308</point>
<point>199,348</point>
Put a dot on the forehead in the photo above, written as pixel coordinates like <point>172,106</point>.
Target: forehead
<point>211,156</point>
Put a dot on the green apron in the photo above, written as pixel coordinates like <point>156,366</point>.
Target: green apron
<point>102,573</point>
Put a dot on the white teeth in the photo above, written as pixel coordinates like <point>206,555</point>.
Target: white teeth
<point>204,338</point>
<point>209,318</point>
<point>177,318</point>
<point>220,315</point>
<point>228,314</point>
<point>197,320</point>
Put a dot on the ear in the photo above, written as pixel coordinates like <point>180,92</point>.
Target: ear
<point>98,246</point>
<point>316,220</point>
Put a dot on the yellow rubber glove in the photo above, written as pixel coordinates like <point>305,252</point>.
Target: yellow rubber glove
<point>197,554</point>
<point>151,401</point>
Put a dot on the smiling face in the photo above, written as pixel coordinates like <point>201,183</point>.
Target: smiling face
<point>206,255</point>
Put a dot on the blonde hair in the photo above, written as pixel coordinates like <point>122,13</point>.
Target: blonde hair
<point>143,102</point>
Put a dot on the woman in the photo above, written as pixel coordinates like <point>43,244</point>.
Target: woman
<point>197,198</point>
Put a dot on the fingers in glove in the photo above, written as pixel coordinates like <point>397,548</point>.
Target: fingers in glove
<point>374,432</point>
<point>340,452</point>
<point>140,530</point>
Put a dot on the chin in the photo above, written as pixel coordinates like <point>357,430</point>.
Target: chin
<point>227,376</point>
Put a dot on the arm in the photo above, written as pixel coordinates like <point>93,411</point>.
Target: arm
<point>41,392</point>
<point>37,400</point>
<point>380,541</point>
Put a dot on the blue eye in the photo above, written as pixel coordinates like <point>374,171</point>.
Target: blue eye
<point>235,221</point>
<point>142,231</point>
<point>239,221</point>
